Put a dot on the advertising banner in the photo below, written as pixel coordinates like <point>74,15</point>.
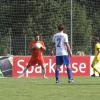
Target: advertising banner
<point>80,66</point>
<point>6,66</point>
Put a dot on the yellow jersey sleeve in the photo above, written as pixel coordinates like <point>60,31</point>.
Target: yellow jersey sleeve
<point>97,47</point>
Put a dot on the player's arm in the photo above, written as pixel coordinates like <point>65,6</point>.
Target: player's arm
<point>67,45</point>
<point>68,48</point>
<point>43,46</point>
<point>98,51</point>
<point>31,46</point>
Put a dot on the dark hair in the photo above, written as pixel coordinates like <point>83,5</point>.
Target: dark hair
<point>36,34</point>
<point>97,39</point>
<point>60,27</point>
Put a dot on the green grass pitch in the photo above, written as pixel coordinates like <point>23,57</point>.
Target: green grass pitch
<point>36,88</point>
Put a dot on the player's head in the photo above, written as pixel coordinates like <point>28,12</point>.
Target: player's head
<point>97,39</point>
<point>37,36</point>
<point>60,27</point>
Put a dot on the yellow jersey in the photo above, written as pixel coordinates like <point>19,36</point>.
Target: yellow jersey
<point>97,46</point>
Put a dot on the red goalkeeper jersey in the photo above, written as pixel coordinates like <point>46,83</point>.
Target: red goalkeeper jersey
<point>37,56</point>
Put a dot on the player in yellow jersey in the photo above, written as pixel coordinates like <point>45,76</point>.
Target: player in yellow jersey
<point>96,59</point>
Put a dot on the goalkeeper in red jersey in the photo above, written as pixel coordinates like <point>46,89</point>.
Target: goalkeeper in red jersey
<point>37,47</point>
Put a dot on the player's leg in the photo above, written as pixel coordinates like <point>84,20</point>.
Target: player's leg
<point>69,73</point>
<point>43,70</point>
<point>31,62</point>
<point>95,67</point>
<point>40,61</point>
<point>66,61</point>
<point>58,64</point>
<point>92,65</point>
<point>57,73</point>
<point>93,75</point>
<point>25,69</point>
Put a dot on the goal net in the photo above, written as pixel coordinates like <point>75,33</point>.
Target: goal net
<point>19,19</point>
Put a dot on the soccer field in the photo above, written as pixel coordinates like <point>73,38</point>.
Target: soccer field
<point>84,88</point>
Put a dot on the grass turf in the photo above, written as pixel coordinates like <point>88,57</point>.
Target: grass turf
<point>84,88</point>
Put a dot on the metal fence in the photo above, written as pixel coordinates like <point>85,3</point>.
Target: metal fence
<point>20,45</point>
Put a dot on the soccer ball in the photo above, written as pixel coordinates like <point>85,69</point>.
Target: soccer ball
<point>38,45</point>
